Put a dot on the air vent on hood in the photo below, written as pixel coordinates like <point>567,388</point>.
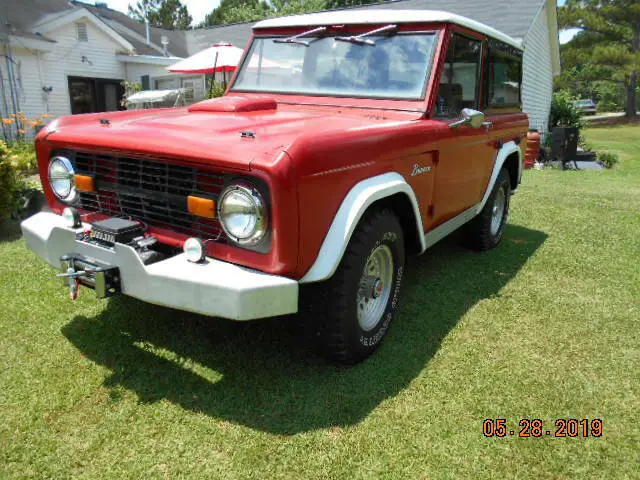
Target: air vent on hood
<point>233,104</point>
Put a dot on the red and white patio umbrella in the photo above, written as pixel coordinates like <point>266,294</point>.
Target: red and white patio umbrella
<point>220,57</point>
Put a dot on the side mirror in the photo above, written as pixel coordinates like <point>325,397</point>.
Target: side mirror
<point>471,117</point>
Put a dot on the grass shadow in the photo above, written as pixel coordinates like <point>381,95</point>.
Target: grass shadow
<point>256,373</point>
<point>9,230</point>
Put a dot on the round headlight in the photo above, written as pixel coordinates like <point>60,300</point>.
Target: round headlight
<point>194,249</point>
<point>61,178</point>
<point>242,213</point>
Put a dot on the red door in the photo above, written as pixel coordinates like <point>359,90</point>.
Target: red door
<point>464,151</point>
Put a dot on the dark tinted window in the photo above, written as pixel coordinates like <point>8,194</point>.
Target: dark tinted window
<point>504,72</point>
<point>459,80</point>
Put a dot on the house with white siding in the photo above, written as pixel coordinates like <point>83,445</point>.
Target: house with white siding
<point>64,57</point>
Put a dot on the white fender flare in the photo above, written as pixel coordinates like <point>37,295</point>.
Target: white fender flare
<point>506,150</point>
<point>364,193</point>
<point>359,198</point>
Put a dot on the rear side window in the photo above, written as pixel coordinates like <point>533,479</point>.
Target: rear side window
<point>503,89</point>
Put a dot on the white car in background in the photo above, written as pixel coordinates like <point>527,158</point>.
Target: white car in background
<point>586,107</point>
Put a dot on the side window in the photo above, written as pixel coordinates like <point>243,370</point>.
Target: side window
<point>504,72</point>
<point>460,78</point>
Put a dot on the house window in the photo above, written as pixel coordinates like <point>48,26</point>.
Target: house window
<point>459,82</point>
<point>81,32</point>
<point>504,70</point>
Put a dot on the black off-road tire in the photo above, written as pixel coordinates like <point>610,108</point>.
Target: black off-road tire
<point>478,233</point>
<point>329,309</point>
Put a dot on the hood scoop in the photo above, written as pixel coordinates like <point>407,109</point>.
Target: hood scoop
<point>234,104</point>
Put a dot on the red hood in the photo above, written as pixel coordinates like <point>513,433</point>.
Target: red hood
<point>211,131</point>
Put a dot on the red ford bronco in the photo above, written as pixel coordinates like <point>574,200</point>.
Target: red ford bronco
<point>346,141</point>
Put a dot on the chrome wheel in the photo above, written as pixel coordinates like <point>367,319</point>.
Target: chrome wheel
<point>498,211</point>
<point>375,287</point>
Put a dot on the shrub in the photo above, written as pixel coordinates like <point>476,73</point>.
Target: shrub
<point>217,90</point>
<point>608,159</point>
<point>606,106</point>
<point>16,162</point>
<point>130,88</point>
<point>9,183</point>
<point>610,95</point>
<point>564,112</point>
<point>23,157</point>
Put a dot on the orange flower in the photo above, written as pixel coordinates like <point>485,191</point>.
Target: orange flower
<point>22,131</point>
<point>7,121</point>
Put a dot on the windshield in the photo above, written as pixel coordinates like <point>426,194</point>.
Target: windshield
<point>392,67</point>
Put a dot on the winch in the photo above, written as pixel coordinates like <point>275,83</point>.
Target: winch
<point>114,230</point>
<point>103,278</point>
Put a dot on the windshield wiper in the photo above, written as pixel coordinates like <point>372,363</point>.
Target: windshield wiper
<point>365,41</point>
<point>294,38</point>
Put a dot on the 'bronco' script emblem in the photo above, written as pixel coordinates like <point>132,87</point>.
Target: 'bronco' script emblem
<point>417,170</point>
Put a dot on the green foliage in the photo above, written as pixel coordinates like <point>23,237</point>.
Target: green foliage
<point>564,112</point>
<point>234,11</point>
<point>294,7</point>
<point>170,14</point>
<point>22,156</point>
<point>130,88</point>
<point>217,90</point>
<point>608,159</point>
<point>9,183</point>
<point>609,95</point>
<point>607,47</point>
<point>17,160</point>
<point>604,106</point>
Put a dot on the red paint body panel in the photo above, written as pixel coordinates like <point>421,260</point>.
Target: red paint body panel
<point>309,150</point>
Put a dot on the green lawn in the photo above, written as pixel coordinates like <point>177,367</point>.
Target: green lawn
<point>546,326</point>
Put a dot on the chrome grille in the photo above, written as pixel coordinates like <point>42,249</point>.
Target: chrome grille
<point>149,190</point>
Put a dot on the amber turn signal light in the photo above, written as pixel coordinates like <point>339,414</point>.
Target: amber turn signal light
<point>85,183</point>
<point>202,207</point>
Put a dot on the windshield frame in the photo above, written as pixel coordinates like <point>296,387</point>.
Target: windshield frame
<point>431,29</point>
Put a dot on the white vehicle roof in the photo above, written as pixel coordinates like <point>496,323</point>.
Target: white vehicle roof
<point>378,17</point>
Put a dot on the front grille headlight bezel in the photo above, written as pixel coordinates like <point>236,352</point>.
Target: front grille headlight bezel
<point>243,214</point>
<point>61,179</point>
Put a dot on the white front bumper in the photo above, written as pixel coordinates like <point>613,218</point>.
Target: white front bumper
<point>211,288</point>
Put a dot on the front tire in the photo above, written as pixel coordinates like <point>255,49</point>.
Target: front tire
<point>485,231</point>
<point>350,314</point>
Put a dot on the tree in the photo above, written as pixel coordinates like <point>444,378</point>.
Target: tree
<point>295,7</point>
<point>233,11</point>
<point>162,13</point>
<point>609,41</point>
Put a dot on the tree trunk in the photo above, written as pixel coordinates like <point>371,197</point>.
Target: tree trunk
<point>631,108</point>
